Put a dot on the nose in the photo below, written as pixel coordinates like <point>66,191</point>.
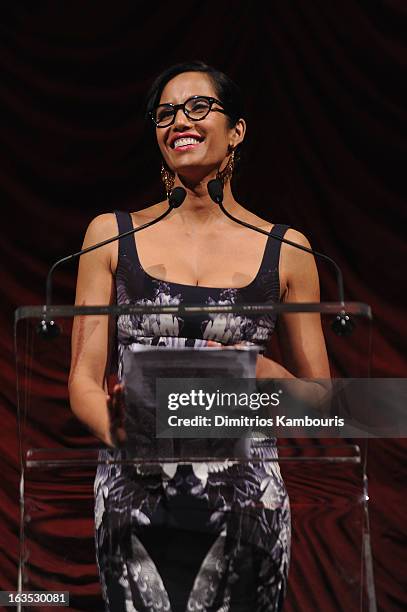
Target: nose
<point>181,119</point>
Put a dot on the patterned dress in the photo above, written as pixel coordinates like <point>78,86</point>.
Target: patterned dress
<point>206,537</point>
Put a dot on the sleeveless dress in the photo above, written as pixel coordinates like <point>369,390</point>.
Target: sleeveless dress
<point>207,537</point>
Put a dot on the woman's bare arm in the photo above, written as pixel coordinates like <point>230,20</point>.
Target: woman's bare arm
<point>300,334</point>
<point>90,334</point>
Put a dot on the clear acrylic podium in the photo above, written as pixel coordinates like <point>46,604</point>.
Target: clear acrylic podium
<point>331,564</point>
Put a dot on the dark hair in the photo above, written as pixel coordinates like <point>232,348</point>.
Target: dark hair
<point>226,90</point>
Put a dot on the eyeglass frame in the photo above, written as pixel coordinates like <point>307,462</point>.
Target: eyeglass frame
<point>176,107</point>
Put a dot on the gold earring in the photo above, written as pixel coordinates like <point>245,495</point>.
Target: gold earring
<point>227,172</point>
<point>168,178</point>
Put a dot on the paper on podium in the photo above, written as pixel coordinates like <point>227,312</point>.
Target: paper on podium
<point>144,365</point>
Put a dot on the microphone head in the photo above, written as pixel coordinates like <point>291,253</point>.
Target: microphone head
<point>176,197</point>
<point>343,325</point>
<point>48,330</point>
<point>215,190</point>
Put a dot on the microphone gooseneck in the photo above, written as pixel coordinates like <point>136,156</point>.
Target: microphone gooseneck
<point>50,329</point>
<point>342,325</point>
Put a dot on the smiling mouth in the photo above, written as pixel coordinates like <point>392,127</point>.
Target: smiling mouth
<point>183,143</point>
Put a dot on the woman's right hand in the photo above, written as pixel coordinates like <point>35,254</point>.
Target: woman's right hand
<point>116,407</point>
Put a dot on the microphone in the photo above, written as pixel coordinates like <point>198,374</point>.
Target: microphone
<point>177,196</point>
<point>343,324</point>
<point>50,329</point>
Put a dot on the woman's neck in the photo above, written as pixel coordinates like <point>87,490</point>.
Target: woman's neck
<point>199,209</point>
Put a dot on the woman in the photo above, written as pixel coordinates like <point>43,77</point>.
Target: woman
<point>213,540</point>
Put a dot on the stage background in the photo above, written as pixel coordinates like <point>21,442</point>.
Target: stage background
<point>326,149</point>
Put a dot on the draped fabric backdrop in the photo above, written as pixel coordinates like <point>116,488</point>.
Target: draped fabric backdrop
<point>326,108</point>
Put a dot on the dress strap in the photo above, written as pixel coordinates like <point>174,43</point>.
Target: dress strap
<point>271,256</point>
<point>127,244</point>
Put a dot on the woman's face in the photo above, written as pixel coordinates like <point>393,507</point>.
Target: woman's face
<point>213,138</point>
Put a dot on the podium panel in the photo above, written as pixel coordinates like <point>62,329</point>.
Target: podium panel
<point>330,565</point>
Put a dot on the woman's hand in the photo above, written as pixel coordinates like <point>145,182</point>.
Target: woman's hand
<point>313,394</point>
<point>116,406</point>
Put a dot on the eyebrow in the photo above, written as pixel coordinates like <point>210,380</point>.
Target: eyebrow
<point>187,98</point>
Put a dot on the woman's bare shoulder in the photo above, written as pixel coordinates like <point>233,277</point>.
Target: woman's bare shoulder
<point>297,266</point>
<point>148,213</point>
<point>291,234</point>
<point>101,227</point>
<point>104,226</point>
<point>292,259</point>
<point>297,237</point>
<point>249,217</point>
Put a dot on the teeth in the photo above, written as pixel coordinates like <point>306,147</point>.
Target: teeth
<point>181,142</point>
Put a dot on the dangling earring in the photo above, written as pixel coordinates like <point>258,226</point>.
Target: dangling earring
<point>168,178</point>
<point>227,172</point>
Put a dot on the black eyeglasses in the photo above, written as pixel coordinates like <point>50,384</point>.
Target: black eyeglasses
<point>195,108</point>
